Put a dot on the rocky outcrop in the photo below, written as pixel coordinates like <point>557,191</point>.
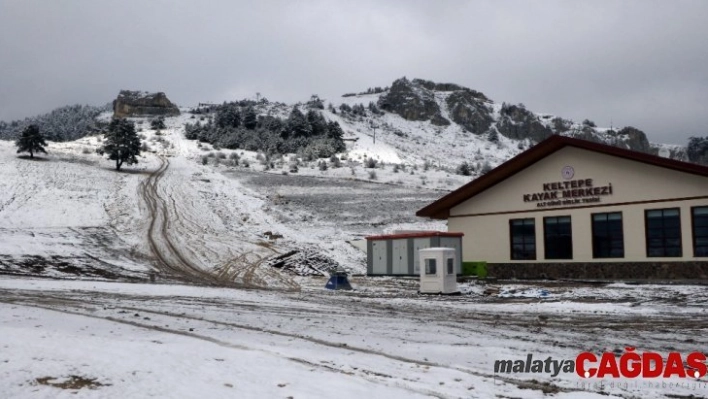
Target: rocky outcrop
<point>430,85</point>
<point>410,101</point>
<point>137,103</point>
<point>439,120</point>
<point>587,133</point>
<point>415,101</point>
<point>445,104</point>
<point>635,139</point>
<point>469,111</point>
<point>517,123</point>
<point>673,152</point>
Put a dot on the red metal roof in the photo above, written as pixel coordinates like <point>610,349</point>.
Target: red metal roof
<point>440,209</point>
<point>421,234</point>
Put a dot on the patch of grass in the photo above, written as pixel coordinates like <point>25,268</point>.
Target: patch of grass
<point>72,382</point>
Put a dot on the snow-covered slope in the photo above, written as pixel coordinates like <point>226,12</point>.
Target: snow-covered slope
<point>447,124</point>
<point>188,206</point>
<point>71,208</point>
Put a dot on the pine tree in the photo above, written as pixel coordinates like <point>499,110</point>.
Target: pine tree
<point>250,120</point>
<point>493,136</point>
<point>122,142</point>
<point>318,125</point>
<point>334,130</point>
<point>158,123</point>
<point>297,125</point>
<point>464,169</point>
<point>31,141</point>
<point>228,116</point>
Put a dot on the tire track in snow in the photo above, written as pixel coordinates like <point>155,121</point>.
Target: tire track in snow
<point>170,259</point>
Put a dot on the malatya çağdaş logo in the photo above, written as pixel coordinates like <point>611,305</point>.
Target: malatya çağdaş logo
<point>630,364</point>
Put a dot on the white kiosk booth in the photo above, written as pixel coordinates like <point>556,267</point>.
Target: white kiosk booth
<point>437,271</point>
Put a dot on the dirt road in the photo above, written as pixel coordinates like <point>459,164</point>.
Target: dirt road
<point>164,213</point>
<point>170,260</point>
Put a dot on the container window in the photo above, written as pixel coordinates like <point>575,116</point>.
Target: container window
<point>450,265</point>
<point>430,266</point>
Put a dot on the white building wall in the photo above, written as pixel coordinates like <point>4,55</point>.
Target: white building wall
<point>484,219</point>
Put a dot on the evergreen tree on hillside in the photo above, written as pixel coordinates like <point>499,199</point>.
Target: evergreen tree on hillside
<point>297,125</point>
<point>334,131</point>
<point>464,169</point>
<point>318,124</point>
<point>158,123</point>
<point>308,134</point>
<point>62,124</point>
<point>250,120</point>
<point>31,140</point>
<point>315,102</point>
<point>122,142</point>
<point>228,116</point>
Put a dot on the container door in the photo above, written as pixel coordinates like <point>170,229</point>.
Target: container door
<point>418,244</point>
<point>379,266</point>
<point>400,256</point>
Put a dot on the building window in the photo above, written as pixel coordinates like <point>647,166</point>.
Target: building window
<point>558,238</point>
<point>450,266</point>
<point>700,230</point>
<point>663,231</point>
<point>430,266</point>
<point>523,239</point>
<point>607,235</point>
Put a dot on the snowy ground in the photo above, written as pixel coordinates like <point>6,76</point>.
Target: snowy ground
<point>171,214</point>
<point>121,340</point>
<point>69,215</point>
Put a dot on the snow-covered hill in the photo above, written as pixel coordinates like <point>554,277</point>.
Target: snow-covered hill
<point>69,212</point>
<point>191,212</point>
<point>191,207</point>
<point>447,124</point>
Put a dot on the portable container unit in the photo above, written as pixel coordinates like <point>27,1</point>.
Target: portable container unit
<point>397,254</point>
<point>437,271</point>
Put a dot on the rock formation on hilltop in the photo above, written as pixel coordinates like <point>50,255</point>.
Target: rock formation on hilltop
<point>137,103</point>
<point>410,100</point>
<point>443,104</point>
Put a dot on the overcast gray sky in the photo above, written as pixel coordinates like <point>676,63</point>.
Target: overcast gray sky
<point>640,63</point>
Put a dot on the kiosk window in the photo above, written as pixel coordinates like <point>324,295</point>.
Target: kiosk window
<point>450,266</point>
<point>430,266</point>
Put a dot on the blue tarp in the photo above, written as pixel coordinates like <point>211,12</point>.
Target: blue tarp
<point>338,282</point>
